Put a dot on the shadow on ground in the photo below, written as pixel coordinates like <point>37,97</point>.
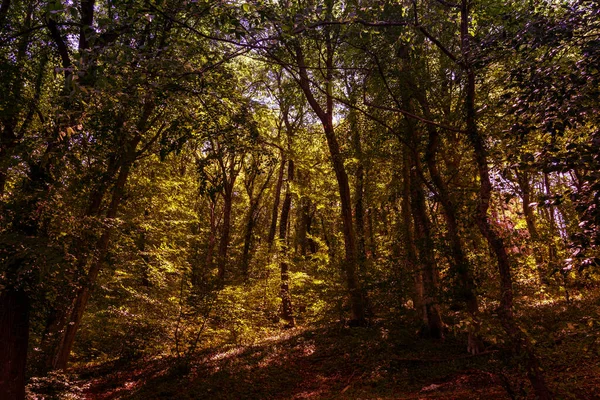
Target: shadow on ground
<point>325,362</point>
<point>383,361</point>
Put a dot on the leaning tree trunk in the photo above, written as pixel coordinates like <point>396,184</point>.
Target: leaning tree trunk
<point>461,266</point>
<point>521,344</point>
<point>83,295</point>
<point>357,301</point>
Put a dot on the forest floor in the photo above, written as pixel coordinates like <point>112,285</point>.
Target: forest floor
<point>384,361</point>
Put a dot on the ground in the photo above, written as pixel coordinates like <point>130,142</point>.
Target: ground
<point>385,360</point>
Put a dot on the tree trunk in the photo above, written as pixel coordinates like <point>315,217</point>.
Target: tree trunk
<point>303,244</point>
<point>200,270</point>
<point>273,227</point>
<point>307,245</point>
<point>461,267</point>
<point>520,342</point>
<point>212,239</point>
<point>434,328</point>
<point>83,295</point>
<point>142,248</point>
<point>422,231</point>
<point>287,313</point>
<point>409,241</point>
<point>225,234</point>
<point>14,337</point>
<point>357,302</point>
<point>248,241</point>
<point>552,250</point>
<point>359,213</point>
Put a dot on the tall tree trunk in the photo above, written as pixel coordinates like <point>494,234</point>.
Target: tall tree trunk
<point>122,170</point>
<point>461,267</point>
<point>276,200</point>
<point>302,243</point>
<point>359,213</point>
<point>252,216</point>
<point>520,342</point>
<point>225,233</point>
<point>351,260</point>
<point>245,262</point>
<point>287,313</point>
<point>230,171</point>
<point>14,337</point>
<point>142,248</point>
<point>357,301</point>
<point>409,241</point>
<point>212,238</point>
<point>306,244</point>
<point>59,310</point>
<point>199,270</point>
<point>422,230</point>
<point>434,328</point>
<point>84,293</point>
<point>57,317</point>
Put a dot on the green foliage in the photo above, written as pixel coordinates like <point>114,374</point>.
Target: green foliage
<point>142,144</point>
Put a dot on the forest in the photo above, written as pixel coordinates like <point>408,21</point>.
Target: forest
<point>299,199</point>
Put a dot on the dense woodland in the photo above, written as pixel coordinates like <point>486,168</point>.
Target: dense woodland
<point>299,199</point>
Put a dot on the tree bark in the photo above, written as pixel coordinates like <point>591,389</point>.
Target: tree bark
<point>251,218</point>
<point>250,221</point>
<point>461,267</point>
<point>14,337</point>
<point>520,342</point>
<point>422,230</point>
<point>359,213</point>
<point>83,294</point>
<point>434,328</point>
<point>230,173</point>
<point>276,200</point>
<point>287,313</point>
<point>357,302</point>
<point>225,234</point>
<point>142,248</point>
<point>409,241</point>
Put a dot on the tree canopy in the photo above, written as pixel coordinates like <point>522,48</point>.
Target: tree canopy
<point>182,182</point>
